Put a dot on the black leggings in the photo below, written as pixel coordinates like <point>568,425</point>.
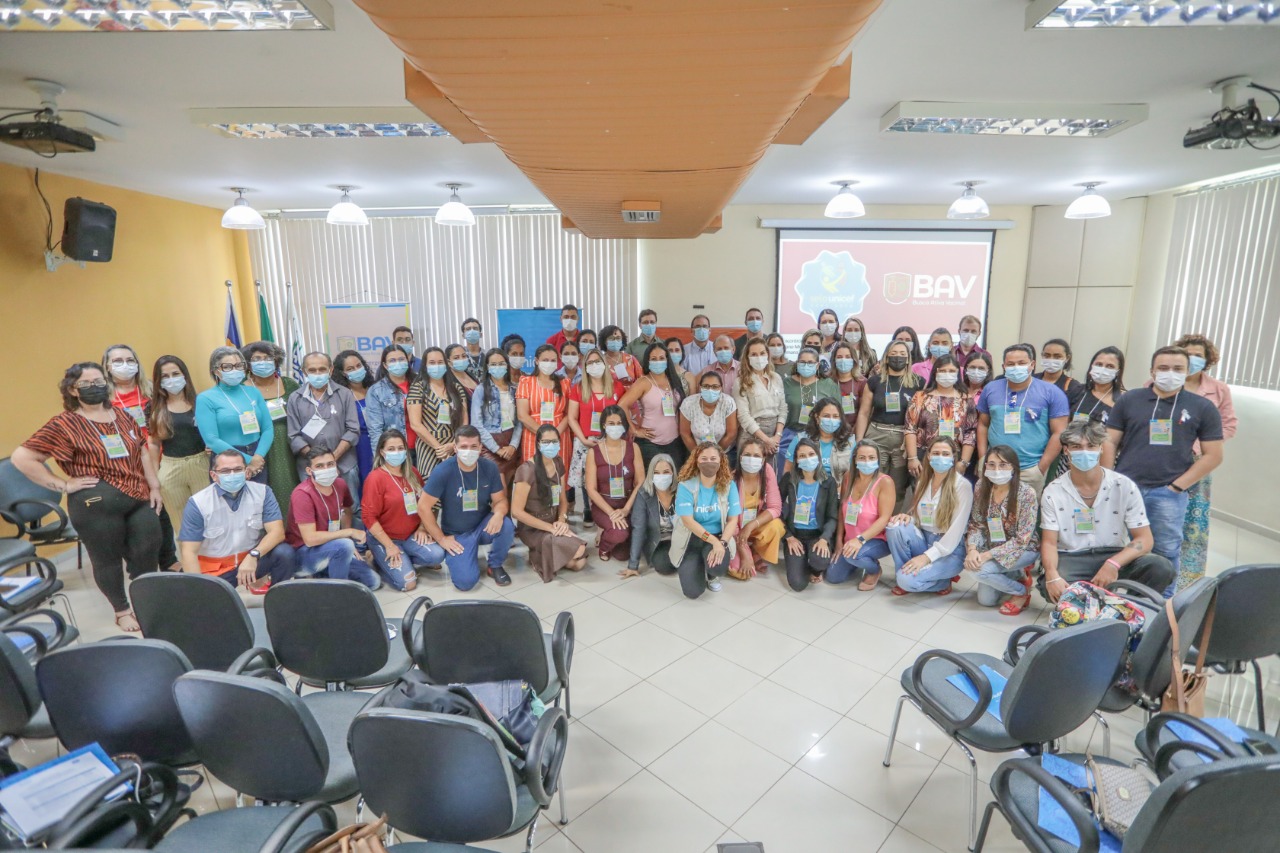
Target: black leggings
<point>114,528</point>
<point>801,568</point>
<point>168,554</point>
<point>676,450</point>
<point>694,569</point>
<point>661,559</point>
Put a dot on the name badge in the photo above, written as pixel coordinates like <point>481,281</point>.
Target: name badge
<point>852,510</point>
<point>555,495</point>
<point>995,527</point>
<point>275,408</point>
<point>547,411</point>
<point>444,412</point>
<point>1162,432</point>
<point>804,414</point>
<point>668,406</point>
<point>616,488</point>
<point>410,503</point>
<point>1013,422</point>
<point>470,500</point>
<point>115,446</point>
<point>892,402</point>
<point>927,510</point>
<point>312,427</point>
<point>946,428</point>
<point>1082,520</point>
<point>804,511</point>
<point>248,422</point>
<point>595,423</point>
<point>749,515</point>
<point>138,417</point>
<point>849,404</point>
<point>620,370</point>
<point>334,526</point>
<point>710,438</point>
<point>1079,416</point>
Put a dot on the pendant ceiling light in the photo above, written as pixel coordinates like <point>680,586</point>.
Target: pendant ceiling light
<point>241,216</point>
<point>346,211</point>
<point>1089,205</point>
<point>844,204</point>
<point>454,212</point>
<point>970,205</point>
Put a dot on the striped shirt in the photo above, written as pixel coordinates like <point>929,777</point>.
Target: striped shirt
<point>77,445</point>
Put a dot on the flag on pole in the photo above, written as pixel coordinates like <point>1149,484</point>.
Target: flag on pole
<point>295,356</point>
<point>264,320</point>
<point>233,327</point>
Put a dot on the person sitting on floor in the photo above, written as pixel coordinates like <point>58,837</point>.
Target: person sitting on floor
<point>1001,541</point>
<point>320,528</point>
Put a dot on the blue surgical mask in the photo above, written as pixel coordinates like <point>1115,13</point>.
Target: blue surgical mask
<point>498,371</point>
<point>754,326</point>
<point>585,347</point>
<point>868,468</point>
<point>395,458</point>
<point>806,369</point>
<point>1017,373</point>
<point>471,336</point>
<point>357,376</point>
<point>808,463</point>
<point>701,334</point>
<point>1085,460</point>
<point>1197,365</point>
<point>397,368</point>
<point>648,329</point>
<point>710,395</point>
<point>317,380</point>
<point>677,357</point>
<point>436,371</point>
<point>938,351</point>
<point>941,464</point>
<point>844,365</point>
<point>614,345</point>
<point>657,367</point>
<point>232,483</point>
<point>724,356</point>
<point>460,364</point>
<point>549,449</point>
<point>232,377</point>
<point>263,369</point>
<point>407,349</point>
<point>829,424</point>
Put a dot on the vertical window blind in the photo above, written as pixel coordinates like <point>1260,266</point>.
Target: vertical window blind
<point>1223,277</point>
<point>445,273</point>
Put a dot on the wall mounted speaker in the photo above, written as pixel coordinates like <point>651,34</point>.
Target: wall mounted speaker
<point>89,230</point>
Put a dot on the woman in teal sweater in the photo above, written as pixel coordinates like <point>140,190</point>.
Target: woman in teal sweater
<point>231,415</point>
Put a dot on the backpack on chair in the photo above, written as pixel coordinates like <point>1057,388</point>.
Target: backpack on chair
<point>1083,602</point>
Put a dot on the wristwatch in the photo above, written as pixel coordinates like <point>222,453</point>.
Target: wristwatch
<point>255,553</point>
<point>860,539</point>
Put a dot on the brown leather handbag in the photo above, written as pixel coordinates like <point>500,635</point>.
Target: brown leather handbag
<point>1186,690</point>
<point>357,838</point>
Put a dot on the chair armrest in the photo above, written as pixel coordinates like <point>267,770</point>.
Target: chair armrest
<point>1137,591</point>
<point>1024,825</point>
<point>37,636</point>
<point>1224,746</point>
<point>562,644</point>
<point>279,840</point>
<point>545,755</point>
<point>49,576</point>
<point>59,624</point>
<point>266,667</point>
<point>19,526</point>
<point>1015,647</point>
<point>414,648</point>
<point>94,811</point>
<point>933,706</point>
<point>1165,755</point>
<point>49,507</point>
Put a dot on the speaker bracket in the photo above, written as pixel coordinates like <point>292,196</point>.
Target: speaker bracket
<point>53,260</point>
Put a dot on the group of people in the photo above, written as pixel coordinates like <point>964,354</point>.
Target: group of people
<point>712,457</point>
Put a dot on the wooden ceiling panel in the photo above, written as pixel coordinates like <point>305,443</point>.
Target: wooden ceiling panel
<point>601,102</point>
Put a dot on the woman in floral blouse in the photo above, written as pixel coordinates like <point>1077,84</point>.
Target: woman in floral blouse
<point>942,409</point>
<point>1001,544</point>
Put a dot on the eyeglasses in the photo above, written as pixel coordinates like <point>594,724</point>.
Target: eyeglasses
<point>262,359</point>
<point>239,365</point>
<point>117,362</point>
<point>101,383</point>
<point>221,472</point>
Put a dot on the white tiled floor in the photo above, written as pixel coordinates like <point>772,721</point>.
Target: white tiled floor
<point>755,713</point>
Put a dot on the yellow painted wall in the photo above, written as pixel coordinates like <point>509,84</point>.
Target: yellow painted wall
<point>162,292</point>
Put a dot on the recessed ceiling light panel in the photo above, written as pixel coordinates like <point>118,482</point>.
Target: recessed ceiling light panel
<point>106,16</point>
<point>329,130</point>
<point>992,119</point>
<point>1087,14</point>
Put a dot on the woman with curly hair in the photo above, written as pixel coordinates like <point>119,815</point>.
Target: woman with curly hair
<point>708,509</point>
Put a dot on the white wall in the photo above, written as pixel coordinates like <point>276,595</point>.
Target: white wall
<point>736,268</point>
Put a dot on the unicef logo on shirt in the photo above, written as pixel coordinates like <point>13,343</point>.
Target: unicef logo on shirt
<point>832,280</point>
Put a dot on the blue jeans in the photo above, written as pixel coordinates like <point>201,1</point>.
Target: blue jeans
<point>336,559</point>
<point>867,561</point>
<point>994,580</point>
<point>907,541</point>
<point>464,568</point>
<point>412,555</point>
<point>1167,512</point>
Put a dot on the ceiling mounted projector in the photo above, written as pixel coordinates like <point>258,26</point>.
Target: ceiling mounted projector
<point>1235,125</point>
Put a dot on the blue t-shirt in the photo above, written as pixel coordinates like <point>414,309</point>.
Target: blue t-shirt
<point>807,493</point>
<point>1036,405</point>
<point>192,529</point>
<point>693,498</point>
<point>447,483</point>
<point>824,451</point>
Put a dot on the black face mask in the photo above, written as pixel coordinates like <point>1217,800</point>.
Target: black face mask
<point>94,395</point>
<point>896,362</point>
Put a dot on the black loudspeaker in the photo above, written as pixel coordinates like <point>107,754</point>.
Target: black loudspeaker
<point>89,230</point>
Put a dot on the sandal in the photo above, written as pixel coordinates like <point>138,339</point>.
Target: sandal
<point>127,622</point>
<point>945,591</point>
<point>1012,607</point>
<point>869,583</point>
<point>605,556</point>
<point>897,590</point>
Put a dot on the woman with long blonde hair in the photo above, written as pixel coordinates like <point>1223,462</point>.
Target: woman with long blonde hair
<point>709,510</point>
<point>927,542</point>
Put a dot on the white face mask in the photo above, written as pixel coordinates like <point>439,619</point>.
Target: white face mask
<point>595,369</point>
<point>570,361</point>
<point>976,374</point>
<point>468,457</point>
<point>124,371</point>
<point>777,352</point>
<point>946,380</point>
<point>1000,477</point>
<point>547,367</point>
<point>615,431</point>
<point>1053,365</point>
<point>828,329</point>
<point>968,339</point>
<point>759,362</point>
<point>662,481</point>
<point>1102,375</point>
<point>853,337</point>
<point>517,362</point>
<point>751,464</point>
<point>1168,380</point>
<point>325,476</point>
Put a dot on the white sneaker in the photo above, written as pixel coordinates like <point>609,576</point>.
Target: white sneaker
<point>713,584</point>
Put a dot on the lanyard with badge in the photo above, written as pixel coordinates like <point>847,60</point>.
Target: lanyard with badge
<point>506,406</point>
<point>275,406</point>
<point>135,412</point>
<point>410,496</point>
<point>995,524</point>
<point>248,418</point>
<point>849,402</point>
<point>1082,416</point>
<point>1161,429</point>
<point>547,411</point>
<point>806,405</point>
<point>334,524</point>
<point>805,504</point>
<point>892,398</point>
<point>617,486</point>
<point>316,424</point>
<point>853,509</point>
<point>927,508</point>
<point>470,497</point>
<point>749,514</point>
<point>112,441</point>
<point>668,402</point>
<point>1013,417</point>
<point>946,419</point>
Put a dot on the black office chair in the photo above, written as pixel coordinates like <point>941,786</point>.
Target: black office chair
<point>332,634</point>
<point>1056,685</point>
<point>22,713</point>
<point>261,739</point>
<point>201,615</point>
<point>1224,805</point>
<point>46,587</point>
<point>1158,734</point>
<point>27,506</point>
<point>450,779</point>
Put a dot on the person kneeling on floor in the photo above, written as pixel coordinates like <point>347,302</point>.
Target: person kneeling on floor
<point>320,528</point>
<point>1093,522</point>
<point>473,512</point>
<point>234,530</point>
<point>1001,542</point>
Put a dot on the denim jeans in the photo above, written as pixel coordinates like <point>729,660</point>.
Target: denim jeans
<point>1167,512</point>
<point>907,541</point>
<point>464,568</point>
<point>336,559</point>
<point>867,561</point>
<point>994,580</point>
<point>412,554</point>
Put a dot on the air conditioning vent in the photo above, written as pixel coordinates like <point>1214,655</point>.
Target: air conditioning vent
<point>641,211</point>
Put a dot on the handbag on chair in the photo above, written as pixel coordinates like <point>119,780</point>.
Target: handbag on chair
<point>357,838</point>
<point>1185,693</point>
<point>1119,794</point>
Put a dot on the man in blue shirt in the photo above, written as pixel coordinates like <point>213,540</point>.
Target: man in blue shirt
<point>234,530</point>
<point>700,354</point>
<point>473,512</point>
<point>403,338</point>
<point>1026,413</point>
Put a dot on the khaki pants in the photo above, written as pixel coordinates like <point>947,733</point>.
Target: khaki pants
<point>1033,478</point>
<point>180,478</point>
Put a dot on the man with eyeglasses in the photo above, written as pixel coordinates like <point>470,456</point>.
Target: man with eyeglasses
<point>234,530</point>
<point>403,338</point>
